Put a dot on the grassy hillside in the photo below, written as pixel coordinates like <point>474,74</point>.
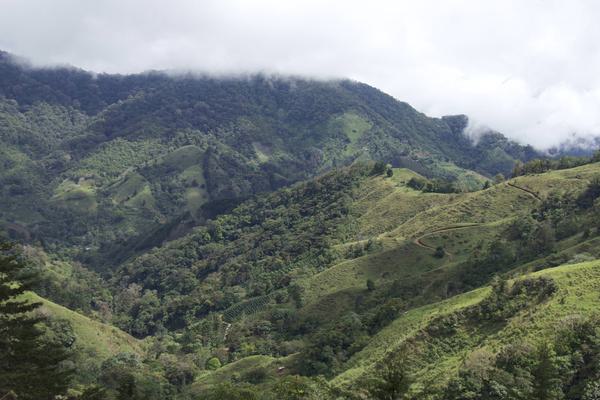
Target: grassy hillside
<point>390,238</point>
<point>576,298</point>
<point>270,238</point>
<point>90,343</point>
<point>332,278</point>
<point>92,338</point>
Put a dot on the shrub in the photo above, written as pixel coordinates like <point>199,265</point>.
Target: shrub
<point>439,252</point>
<point>255,375</point>
<point>213,364</point>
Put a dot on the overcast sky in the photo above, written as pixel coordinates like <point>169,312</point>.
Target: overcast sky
<point>530,69</point>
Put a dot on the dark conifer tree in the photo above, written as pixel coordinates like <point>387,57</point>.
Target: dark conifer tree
<point>30,365</point>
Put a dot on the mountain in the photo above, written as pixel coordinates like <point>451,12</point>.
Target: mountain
<point>97,159</point>
<point>334,276</point>
<point>262,237</point>
<point>337,275</point>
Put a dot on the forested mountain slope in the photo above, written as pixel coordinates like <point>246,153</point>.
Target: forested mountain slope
<point>97,159</point>
<point>341,275</point>
<point>401,286</point>
<point>332,276</point>
<point>281,238</point>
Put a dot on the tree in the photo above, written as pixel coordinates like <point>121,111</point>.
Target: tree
<point>30,364</point>
<point>93,393</point>
<point>518,169</point>
<point>392,382</point>
<point>370,285</point>
<point>592,192</point>
<point>439,252</point>
<point>230,392</point>
<point>546,381</point>
<point>213,364</point>
<point>499,178</point>
<point>592,391</point>
<point>292,388</point>
<point>389,172</point>
<point>379,168</point>
<point>417,183</point>
<point>542,239</point>
<point>296,293</point>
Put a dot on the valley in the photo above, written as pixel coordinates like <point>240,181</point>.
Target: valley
<point>272,238</point>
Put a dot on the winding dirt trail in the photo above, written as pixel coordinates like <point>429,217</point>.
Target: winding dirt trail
<point>419,240</point>
<point>531,193</point>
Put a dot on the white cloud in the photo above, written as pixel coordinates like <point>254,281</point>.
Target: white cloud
<point>526,68</point>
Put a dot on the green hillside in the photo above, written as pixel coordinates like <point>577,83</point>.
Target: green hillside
<point>92,339</point>
<point>574,301</point>
<point>387,261</point>
<point>119,164</point>
<point>195,238</point>
<point>91,345</point>
<point>441,355</point>
<point>319,285</point>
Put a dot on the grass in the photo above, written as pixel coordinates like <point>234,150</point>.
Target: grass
<point>112,158</point>
<point>263,153</point>
<point>130,184</point>
<point>560,181</point>
<point>394,335</point>
<point>385,203</point>
<point>464,240</point>
<point>183,158</point>
<point>193,176</point>
<point>194,198</point>
<point>92,337</point>
<point>132,191</point>
<point>393,216</point>
<point>353,126</point>
<point>79,197</point>
<point>466,180</point>
<point>577,297</point>
<point>227,371</point>
<point>496,203</point>
<point>196,194</point>
<point>235,371</point>
<point>393,263</point>
<point>396,219</point>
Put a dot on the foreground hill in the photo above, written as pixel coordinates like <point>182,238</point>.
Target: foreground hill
<point>92,345</point>
<point>469,337</point>
<point>270,238</point>
<point>335,275</point>
<point>573,301</point>
<point>93,160</point>
<point>335,286</point>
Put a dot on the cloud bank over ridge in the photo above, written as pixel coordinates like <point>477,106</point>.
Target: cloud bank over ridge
<point>526,68</point>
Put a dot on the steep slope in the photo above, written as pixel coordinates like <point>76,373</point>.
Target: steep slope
<point>91,337</point>
<point>334,275</point>
<point>370,227</point>
<point>574,300</point>
<point>90,343</point>
<point>370,278</point>
<point>118,164</point>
